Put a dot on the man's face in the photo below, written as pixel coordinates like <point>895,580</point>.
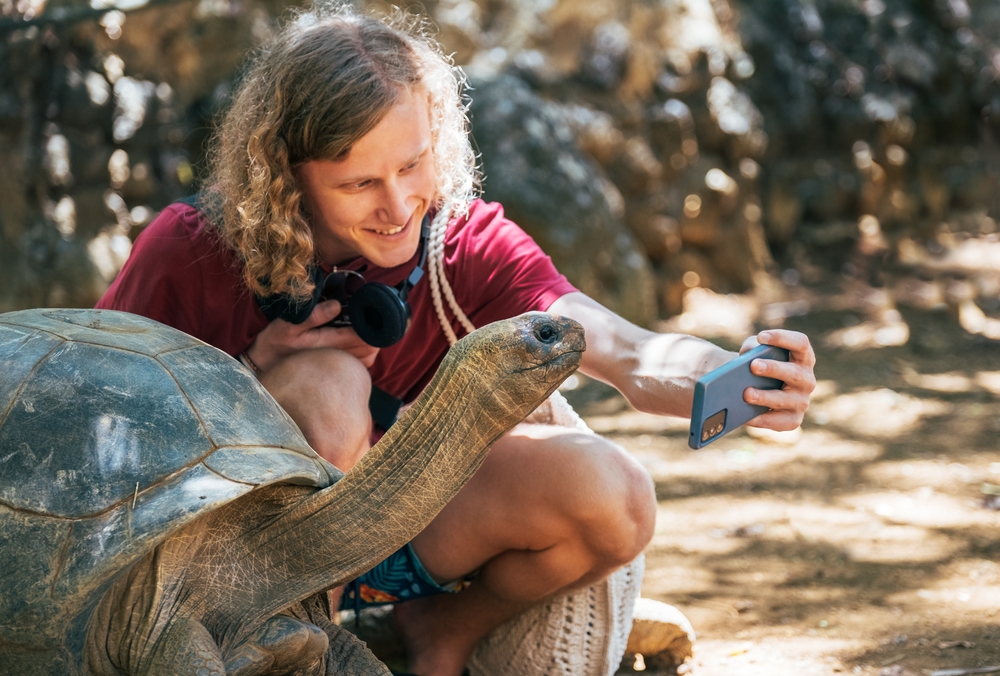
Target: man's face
<point>372,202</point>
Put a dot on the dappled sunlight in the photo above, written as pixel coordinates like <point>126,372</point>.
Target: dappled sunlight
<point>989,380</point>
<point>699,525</point>
<point>981,599</point>
<point>720,525</point>
<point>923,507</point>
<point>739,457</point>
<point>972,318</point>
<point>794,570</point>
<point>775,437</point>
<point>714,524</point>
<point>784,655</point>
<point>57,160</point>
<point>637,422</point>
<point>771,572</point>
<point>877,413</point>
<point>869,539</point>
<point>131,98</point>
<point>825,389</point>
<point>861,533</point>
<point>713,315</point>
<point>953,381</point>
<point>108,252</point>
<point>924,477</point>
<point>827,167</point>
<point>971,571</point>
<point>676,580</point>
<point>970,256</point>
<point>868,335</point>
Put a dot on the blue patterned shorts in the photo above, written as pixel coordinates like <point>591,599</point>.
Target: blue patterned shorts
<point>399,578</point>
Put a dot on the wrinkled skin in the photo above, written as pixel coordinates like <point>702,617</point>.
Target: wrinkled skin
<point>237,590</point>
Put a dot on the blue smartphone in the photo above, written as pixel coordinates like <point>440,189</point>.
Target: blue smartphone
<point>718,396</point>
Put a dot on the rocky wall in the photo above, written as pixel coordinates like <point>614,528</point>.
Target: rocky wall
<point>102,124</point>
<point>650,146</point>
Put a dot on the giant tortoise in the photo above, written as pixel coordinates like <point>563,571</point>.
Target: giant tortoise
<point>161,515</point>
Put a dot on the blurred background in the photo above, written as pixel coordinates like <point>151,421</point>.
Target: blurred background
<point>709,166</point>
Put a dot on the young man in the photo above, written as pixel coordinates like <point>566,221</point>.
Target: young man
<point>342,136</point>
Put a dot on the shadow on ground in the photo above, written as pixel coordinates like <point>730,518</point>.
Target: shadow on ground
<point>864,544</point>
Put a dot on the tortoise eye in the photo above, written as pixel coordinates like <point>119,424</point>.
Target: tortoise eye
<point>547,334</point>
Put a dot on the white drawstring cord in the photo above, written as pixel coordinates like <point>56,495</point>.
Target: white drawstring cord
<point>439,283</point>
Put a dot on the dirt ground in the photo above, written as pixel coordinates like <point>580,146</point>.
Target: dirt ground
<point>864,543</point>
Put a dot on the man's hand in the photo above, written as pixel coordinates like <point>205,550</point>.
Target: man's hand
<point>280,338</point>
<point>788,404</point>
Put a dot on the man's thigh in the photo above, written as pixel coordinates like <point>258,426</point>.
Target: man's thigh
<point>325,392</point>
<point>542,486</point>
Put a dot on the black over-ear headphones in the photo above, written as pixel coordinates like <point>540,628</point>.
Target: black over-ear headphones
<point>378,312</point>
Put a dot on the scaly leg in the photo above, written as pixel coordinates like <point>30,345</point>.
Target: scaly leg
<point>281,645</point>
<point>185,649</point>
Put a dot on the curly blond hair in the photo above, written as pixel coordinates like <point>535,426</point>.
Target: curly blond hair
<point>325,80</point>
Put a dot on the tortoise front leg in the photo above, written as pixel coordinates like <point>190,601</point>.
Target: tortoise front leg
<point>349,656</point>
<point>185,649</point>
<point>281,645</point>
<point>285,645</point>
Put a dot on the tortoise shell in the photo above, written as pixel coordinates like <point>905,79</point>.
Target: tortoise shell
<point>116,431</point>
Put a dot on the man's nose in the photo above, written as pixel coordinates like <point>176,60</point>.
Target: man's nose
<point>394,207</point>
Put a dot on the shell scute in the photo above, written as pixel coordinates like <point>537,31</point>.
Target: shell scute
<point>235,409</point>
<point>102,327</point>
<point>121,414</point>
<point>267,465</point>
<point>20,350</point>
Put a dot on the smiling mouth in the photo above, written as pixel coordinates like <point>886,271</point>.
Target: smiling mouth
<point>388,232</point>
<point>392,231</point>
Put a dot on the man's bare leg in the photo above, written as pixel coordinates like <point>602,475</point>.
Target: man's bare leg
<point>550,510</point>
<point>326,393</point>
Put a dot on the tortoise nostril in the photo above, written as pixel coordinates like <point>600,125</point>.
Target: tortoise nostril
<point>547,333</point>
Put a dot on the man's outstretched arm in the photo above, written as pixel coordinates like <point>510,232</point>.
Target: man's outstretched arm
<point>656,372</point>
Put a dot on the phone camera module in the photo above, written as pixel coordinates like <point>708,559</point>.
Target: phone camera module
<point>714,425</point>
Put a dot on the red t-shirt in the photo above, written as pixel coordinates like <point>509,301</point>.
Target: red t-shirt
<point>179,273</point>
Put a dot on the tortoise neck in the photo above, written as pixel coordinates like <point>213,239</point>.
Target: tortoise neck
<point>333,536</point>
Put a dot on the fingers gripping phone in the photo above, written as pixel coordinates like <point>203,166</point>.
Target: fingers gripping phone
<point>718,396</point>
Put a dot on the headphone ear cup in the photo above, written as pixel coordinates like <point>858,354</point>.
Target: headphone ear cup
<point>378,315</point>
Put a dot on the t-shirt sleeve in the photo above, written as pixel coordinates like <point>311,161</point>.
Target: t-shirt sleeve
<point>498,271</point>
<point>180,274</point>
<point>162,277</point>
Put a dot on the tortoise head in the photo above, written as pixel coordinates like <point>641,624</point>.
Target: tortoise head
<point>546,346</point>
<point>523,359</point>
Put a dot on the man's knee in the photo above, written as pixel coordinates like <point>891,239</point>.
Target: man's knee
<point>622,521</point>
<point>594,487</point>
<point>326,393</point>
